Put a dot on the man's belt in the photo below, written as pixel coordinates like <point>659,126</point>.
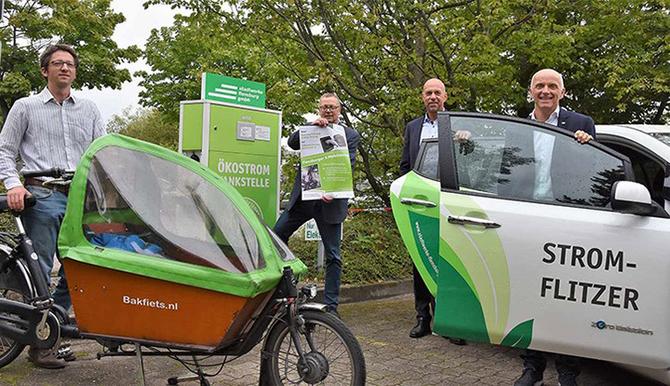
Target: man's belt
<point>65,189</point>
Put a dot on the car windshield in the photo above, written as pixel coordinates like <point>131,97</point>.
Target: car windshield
<point>663,137</point>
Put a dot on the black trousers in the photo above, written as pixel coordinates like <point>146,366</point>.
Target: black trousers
<point>565,364</point>
<point>424,302</point>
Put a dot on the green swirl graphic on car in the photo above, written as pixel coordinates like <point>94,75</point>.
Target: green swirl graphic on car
<point>470,276</point>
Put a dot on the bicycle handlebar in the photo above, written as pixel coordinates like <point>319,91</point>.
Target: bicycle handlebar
<point>53,172</point>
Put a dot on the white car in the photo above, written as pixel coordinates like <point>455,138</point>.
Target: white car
<point>648,147</point>
<point>531,240</point>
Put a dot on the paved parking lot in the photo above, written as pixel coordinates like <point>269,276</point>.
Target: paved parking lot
<point>392,358</point>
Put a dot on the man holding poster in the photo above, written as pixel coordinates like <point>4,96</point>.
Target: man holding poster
<point>323,186</point>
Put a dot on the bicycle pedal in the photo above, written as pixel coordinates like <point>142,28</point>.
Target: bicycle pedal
<point>65,353</point>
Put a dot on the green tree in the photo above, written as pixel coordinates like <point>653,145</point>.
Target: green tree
<point>376,55</point>
<point>87,25</point>
<point>146,124</point>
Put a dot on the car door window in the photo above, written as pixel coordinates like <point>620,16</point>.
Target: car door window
<point>513,159</point>
<point>427,165</point>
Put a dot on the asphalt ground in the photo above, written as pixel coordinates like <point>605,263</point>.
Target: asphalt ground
<point>381,326</point>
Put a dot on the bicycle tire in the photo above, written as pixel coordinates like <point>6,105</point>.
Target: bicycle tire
<point>9,348</point>
<point>280,362</point>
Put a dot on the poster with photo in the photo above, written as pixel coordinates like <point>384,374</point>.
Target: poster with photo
<point>325,163</point>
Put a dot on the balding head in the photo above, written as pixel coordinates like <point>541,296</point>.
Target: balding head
<point>546,89</point>
<point>433,95</point>
<point>548,72</point>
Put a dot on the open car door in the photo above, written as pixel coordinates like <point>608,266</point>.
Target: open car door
<point>531,255</point>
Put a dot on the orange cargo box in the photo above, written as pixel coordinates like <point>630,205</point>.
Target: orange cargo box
<point>122,305</point>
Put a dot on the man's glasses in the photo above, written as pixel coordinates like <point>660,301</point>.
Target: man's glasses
<point>328,108</point>
<point>61,63</point>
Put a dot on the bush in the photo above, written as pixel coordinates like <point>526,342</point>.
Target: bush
<point>372,250</point>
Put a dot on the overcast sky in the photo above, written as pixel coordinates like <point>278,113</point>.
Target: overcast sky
<point>135,30</point>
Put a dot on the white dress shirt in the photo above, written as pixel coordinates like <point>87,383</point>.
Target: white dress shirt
<point>543,144</point>
<point>47,134</point>
<point>428,129</point>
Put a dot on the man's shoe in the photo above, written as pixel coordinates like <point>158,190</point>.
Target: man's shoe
<point>421,329</point>
<point>45,358</point>
<point>529,377</point>
<point>457,341</point>
<point>567,380</point>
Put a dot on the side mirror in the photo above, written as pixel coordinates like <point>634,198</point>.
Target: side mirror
<point>631,197</point>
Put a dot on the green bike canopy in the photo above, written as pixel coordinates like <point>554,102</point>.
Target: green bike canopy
<point>139,208</point>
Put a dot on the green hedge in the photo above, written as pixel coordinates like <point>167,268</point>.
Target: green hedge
<point>372,250</point>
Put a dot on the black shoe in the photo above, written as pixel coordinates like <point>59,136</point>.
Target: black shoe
<point>457,341</point>
<point>421,329</point>
<point>333,311</point>
<point>529,377</point>
<point>567,380</point>
<point>45,358</point>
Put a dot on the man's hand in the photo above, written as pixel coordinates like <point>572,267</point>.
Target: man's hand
<point>323,122</point>
<point>327,198</point>
<point>15,197</point>
<point>461,136</point>
<point>582,136</point>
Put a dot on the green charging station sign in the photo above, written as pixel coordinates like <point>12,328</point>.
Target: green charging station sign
<point>220,88</point>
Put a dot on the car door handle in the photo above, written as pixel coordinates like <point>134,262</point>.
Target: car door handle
<point>414,201</point>
<point>464,220</point>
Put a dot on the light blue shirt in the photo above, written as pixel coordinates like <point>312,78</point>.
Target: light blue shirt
<point>428,129</point>
<point>543,144</point>
<point>47,134</point>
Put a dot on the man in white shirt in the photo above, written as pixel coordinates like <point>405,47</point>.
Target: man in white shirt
<point>49,130</point>
<point>547,89</point>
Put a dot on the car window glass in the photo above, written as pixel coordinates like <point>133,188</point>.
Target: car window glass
<point>663,137</point>
<point>427,166</point>
<point>517,160</point>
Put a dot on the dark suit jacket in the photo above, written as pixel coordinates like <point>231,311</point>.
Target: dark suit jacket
<point>336,211</point>
<point>573,121</point>
<point>411,148</point>
<point>520,182</point>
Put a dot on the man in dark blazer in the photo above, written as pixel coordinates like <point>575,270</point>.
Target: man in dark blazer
<point>329,213</point>
<point>547,89</point>
<point>433,96</point>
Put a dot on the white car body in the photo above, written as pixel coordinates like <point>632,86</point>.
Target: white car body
<point>577,265</point>
<point>655,138</point>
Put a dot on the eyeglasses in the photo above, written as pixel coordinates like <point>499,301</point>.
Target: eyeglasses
<point>328,108</point>
<point>60,63</point>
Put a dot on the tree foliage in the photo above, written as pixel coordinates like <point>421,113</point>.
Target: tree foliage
<point>614,55</point>
<point>146,124</point>
<point>28,26</point>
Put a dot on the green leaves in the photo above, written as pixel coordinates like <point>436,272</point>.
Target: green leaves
<point>86,25</point>
<point>614,55</point>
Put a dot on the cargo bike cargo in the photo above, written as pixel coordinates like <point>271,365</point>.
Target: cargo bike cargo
<point>162,254</point>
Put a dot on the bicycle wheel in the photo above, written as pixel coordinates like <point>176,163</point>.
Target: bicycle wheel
<point>332,353</point>
<point>10,349</point>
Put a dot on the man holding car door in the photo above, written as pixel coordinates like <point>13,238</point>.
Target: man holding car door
<point>547,89</point>
<point>433,95</point>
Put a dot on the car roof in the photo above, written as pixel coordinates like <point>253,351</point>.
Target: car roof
<point>641,134</point>
<point>648,129</point>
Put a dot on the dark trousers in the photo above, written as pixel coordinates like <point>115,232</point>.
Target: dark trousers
<point>424,302</point>
<point>566,365</point>
<point>331,234</point>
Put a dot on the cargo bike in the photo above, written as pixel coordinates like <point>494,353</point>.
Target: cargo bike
<point>164,258</point>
